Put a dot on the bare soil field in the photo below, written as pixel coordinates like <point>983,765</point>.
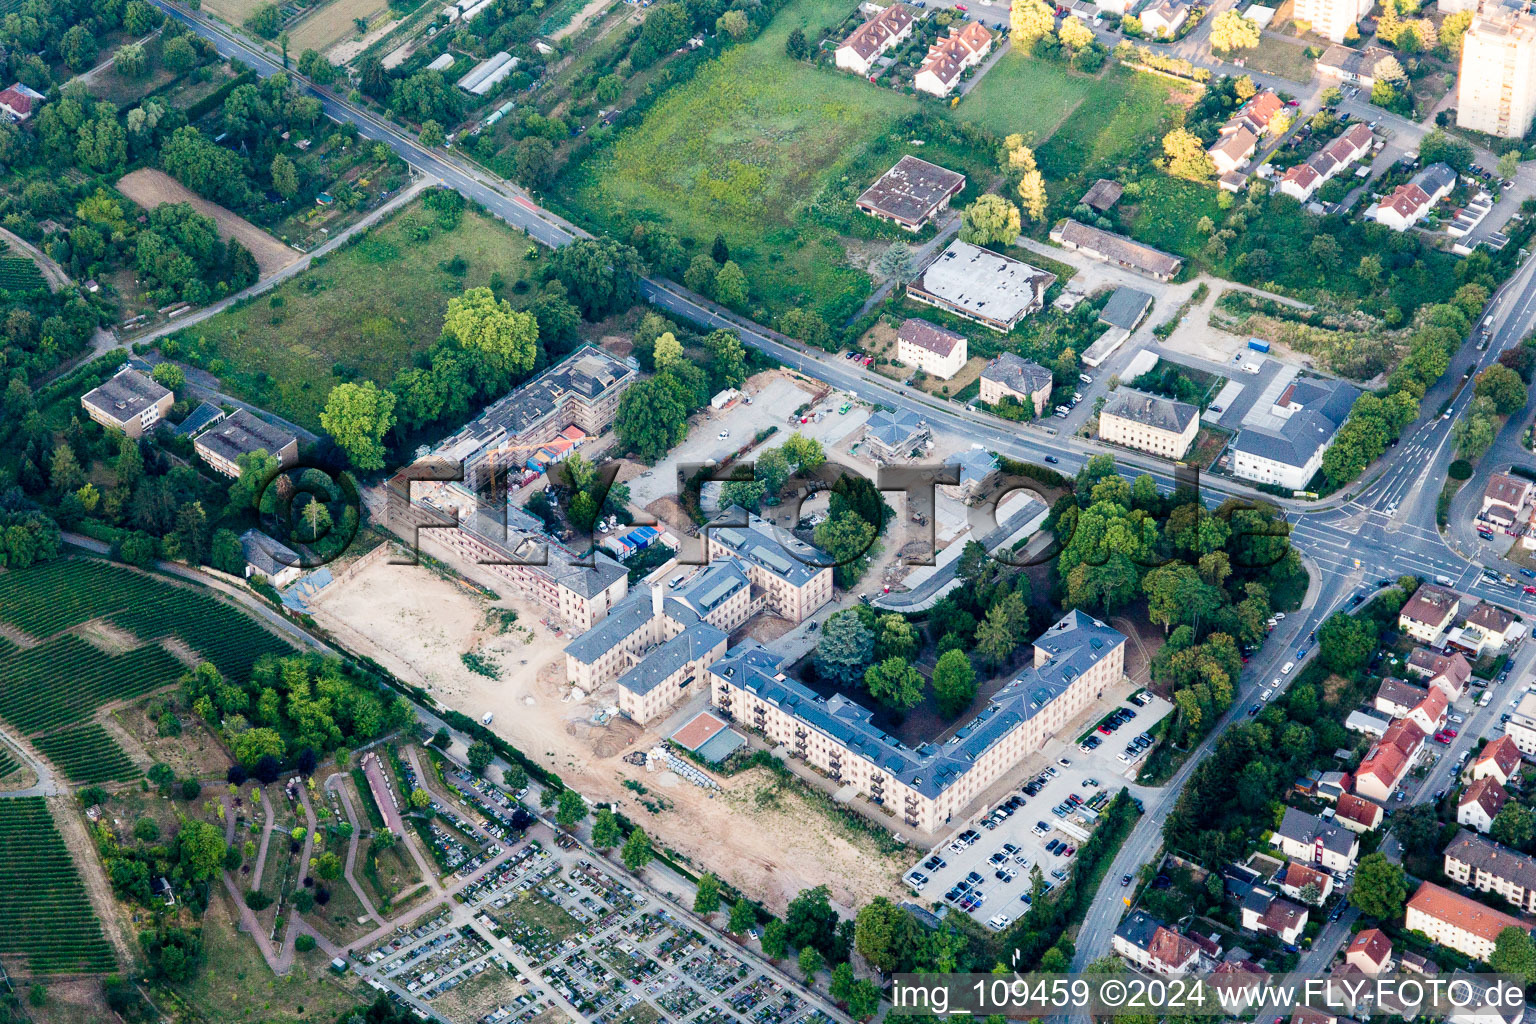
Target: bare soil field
<point>233,11</point>
<point>74,1001</point>
<point>765,838</point>
<point>149,188</point>
<point>582,19</point>
<point>331,23</point>
<point>194,753</point>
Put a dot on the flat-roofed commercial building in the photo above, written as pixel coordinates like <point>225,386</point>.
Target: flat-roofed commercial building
<point>910,193</point>
<point>994,290</point>
<point>128,401</point>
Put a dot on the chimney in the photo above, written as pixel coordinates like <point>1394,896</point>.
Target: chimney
<point>656,601</point>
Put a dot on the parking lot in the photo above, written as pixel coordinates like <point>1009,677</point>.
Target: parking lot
<point>772,402</point>
<point>984,869</point>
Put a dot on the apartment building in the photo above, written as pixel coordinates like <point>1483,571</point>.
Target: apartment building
<point>1287,450</point>
<point>1458,922</point>
<point>575,399</point>
<point>1332,19</point>
<point>1075,662</point>
<point>1149,423</point>
<point>794,578</point>
<point>1389,759</point>
<point>502,544</point>
<point>1482,864</point>
<point>1496,90</point>
<point>1013,376</point>
<point>864,44</point>
<point>222,444</point>
<point>936,351</point>
<point>1449,672</point>
<point>128,401</point>
<point>1521,727</point>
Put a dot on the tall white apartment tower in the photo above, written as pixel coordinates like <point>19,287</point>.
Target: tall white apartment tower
<point>1497,88</point>
<point>1332,18</point>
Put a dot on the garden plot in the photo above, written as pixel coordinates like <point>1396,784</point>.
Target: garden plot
<point>149,188</point>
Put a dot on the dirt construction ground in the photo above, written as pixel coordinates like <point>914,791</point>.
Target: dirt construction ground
<point>766,839</point>
<point>330,23</point>
<point>149,188</point>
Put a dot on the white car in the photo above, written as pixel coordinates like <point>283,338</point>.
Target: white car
<point>1455,718</point>
<point>1266,695</point>
<point>1000,921</point>
<point>724,434</point>
<point>1085,378</point>
<point>1285,669</point>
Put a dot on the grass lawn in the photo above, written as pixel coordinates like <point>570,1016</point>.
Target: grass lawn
<point>737,150</point>
<point>1167,211</point>
<point>1126,110</point>
<point>1054,94</point>
<point>1282,57</point>
<point>360,314</point>
<point>236,985</point>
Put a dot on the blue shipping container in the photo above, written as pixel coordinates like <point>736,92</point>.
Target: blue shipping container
<point>1258,344</point>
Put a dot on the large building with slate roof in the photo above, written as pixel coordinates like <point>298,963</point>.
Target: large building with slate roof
<point>1076,661</point>
<point>793,578</point>
<point>506,544</point>
<point>582,390</point>
<point>1009,375</point>
<point>659,639</point>
<point>1149,423</point>
<point>1310,413</point>
<point>894,436</point>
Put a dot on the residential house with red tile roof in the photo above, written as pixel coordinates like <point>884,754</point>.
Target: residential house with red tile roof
<point>1499,760</point>
<point>949,57</point>
<point>1357,814</point>
<point>1297,877</point>
<point>1428,613</point>
<point>1450,672</point>
<point>1480,804</point>
<point>1371,951</point>
<point>871,39</point>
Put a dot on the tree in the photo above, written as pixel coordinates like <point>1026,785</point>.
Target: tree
<point>431,134</point>
<point>864,999</point>
<point>775,939</point>
<point>1074,35</point>
<point>420,798</point>
<point>1380,889</point>
<point>600,275</point>
<point>571,809</point>
<point>637,851</point>
<point>534,161</point>
<point>358,416</point>
<point>1345,643</point>
<point>78,47</point>
<point>1514,953</point>
<point>895,683</point>
<point>1504,386</point>
<point>1186,155</point>
<point>1509,163</point>
<point>130,61</point>
<point>1231,31</point>
<point>707,899</point>
<point>328,866</point>
<point>743,917</point>
<point>701,273</point>
<point>885,935</point>
<point>850,541</point>
<point>285,176</point>
<point>668,352</point>
<point>810,919</point>
<point>1438,147</point>
<point>169,376</point>
<point>733,23</point>
<point>480,756</point>
<point>1453,31</point>
<point>996,639</point>
<point>810,963</point>
<point>1032,185</point>
<point>731,285</point>
<point>1029,21</point>
<point>606,833</point>
<point>1279,124</point>
<point>1514,826</point>
<point>651,418</point>
<point>896,262</point>
<point>991,219</point>
<point>806,453</point>
<point>728,368</point>
<point>481,323</point>
<point>199,846</point>
<point>845,648</point>
<point>954,682</point>
<point>797,46</point>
